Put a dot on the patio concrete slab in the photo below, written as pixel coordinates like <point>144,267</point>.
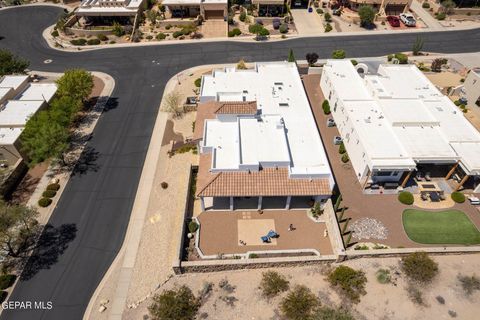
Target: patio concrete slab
<point>251,231</point>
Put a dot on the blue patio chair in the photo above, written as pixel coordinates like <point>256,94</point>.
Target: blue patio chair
<point>272,234</point>
<point>265,239</point>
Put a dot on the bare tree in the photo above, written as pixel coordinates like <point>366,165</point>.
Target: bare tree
<point>173,104</point>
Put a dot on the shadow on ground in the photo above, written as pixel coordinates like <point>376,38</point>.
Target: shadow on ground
<point>51,244</point>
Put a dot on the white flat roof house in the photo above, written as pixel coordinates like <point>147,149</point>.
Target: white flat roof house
<point>99,8</point>
<point>256,126</point>
<point>395,120</point>
<point>11,86</point>
<point>27,99</point>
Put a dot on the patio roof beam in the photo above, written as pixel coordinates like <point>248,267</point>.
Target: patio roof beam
<point>404,182</point>
<point>449,174</point>
<point>460,184</point>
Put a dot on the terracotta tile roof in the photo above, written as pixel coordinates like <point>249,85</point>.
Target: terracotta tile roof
<point>266,182</point>
<point>205,111</point>
<point>237,107</point>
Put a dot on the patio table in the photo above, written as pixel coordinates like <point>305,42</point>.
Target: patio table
<point>434,197</point>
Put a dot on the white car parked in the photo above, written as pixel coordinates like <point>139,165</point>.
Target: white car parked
<point>408,19</point>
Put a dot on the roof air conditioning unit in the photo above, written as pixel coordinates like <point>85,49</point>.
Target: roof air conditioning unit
<point>330,122</point>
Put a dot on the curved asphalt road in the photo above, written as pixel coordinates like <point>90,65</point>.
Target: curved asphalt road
<point>98,202</point>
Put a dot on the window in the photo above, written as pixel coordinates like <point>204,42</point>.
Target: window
<point>383,173</point>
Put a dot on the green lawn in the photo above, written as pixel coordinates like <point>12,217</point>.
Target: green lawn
<point>444,227</point>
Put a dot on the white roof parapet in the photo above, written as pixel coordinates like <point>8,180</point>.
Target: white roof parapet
<point>398,111</point>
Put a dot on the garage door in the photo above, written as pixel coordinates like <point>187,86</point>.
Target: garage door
<point>394,10</point>
<point>214,14</point>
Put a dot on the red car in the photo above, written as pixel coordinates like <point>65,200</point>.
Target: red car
<point>394,21</point>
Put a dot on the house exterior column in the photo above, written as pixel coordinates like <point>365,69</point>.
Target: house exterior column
<point>449,174</point>
<point>231,204</point>
<point>202,203</point>
<point>404,182</point>
<point>462,182</point>
<point>289,199</point>
<point>260,199</point>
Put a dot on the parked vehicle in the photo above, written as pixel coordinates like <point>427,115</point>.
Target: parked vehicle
<point>393,21</point>
<point>408,19</point>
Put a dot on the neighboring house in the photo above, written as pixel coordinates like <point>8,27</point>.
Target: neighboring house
<point>397,121</point>
<point>10,86</point>
<point>26,100</point>
<point>270,7</point>
<point>108,8</point>
<point>383,7</point>
<point>471,87</point>
<point>259,144</point>
<point>209,9</point>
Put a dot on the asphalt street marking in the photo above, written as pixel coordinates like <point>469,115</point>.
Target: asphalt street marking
<point>48,61</point>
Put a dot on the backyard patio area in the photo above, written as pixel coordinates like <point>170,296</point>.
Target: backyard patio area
<point>376,217</point>
<point>238,232</point>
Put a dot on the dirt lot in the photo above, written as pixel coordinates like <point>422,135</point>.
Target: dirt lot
<point>382,301</point>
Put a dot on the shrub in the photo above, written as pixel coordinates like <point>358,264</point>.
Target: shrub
<point>440,299</point>
<point>339,54</point>
<point>164,185</point>
<point>328,27</point>
<point>118,30</point>
<point>390,57</point>
<point>327,313</point>
<point>55,34</point>
<point>198,82</point>
<point>319,11</point>
<point>341,148</point>
<point>469,284</point>
<point>102,37</point>
<point>243,16</point>
<point>53,186</point>
<point>405,197</point>
<point>259,21</point>
<point>326,107</point>
<point>160,36</point>
<point>367,15</point>
<point>345,158</point>
<point>78,42</point>
<point>252,256</point>
<point>440,16</point>
<point>112,42</point>
<point>44,202</point>
<point>168,27</point>
<point>93,42</point>
<point>272,284</point>
<point>328,17</point>
<point>7,280</point>
<point>426,5</point>
<point>149,37</point>
<point>230,20</point>
<point>3,296</point>
<point>177,34</point>
<point>311,58</point>
<point>49,193</point>
<point>415,294</point>
<point>255,28</point>
<point>458,197</point>
<point>283,28</point>
<point>234,32</point>
<point>418,266</point>
<point>350,282</point>
<point>192,226</point>
<point>276,24</point>
<point>174,304</point>
<point>299,304</point>
<point>354,62</point>
<point>383,276</point>
<point>241,65</point>
<point>402,58</point>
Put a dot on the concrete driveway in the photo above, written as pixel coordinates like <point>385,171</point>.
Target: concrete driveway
<point>307,23</point>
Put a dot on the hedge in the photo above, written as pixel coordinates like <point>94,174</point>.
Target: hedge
<point>78,42</point>
<point>93,42</point>
<point>177,34</point>
<point>402,58</point>
<point>458,197</point>
<point>53,186</point>
<point>44,202</point>
<point>102,37</point>
<point>7,280</point>
<point>49,193</point>
<point>405,197</point>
